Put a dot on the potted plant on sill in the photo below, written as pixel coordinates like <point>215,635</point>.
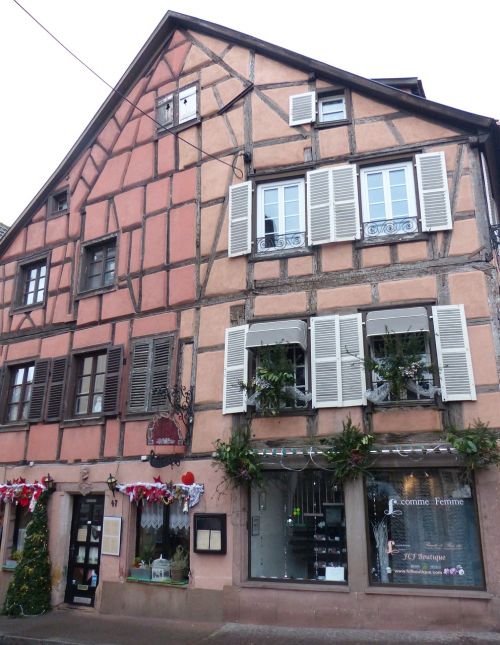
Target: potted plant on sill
<point>141,570</point>
<point>273,386</point>
<point>179,565</point>
<point>400,370</point>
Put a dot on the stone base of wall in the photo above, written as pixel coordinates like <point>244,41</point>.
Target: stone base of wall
<point>398,609</point>
<point>158,601</point>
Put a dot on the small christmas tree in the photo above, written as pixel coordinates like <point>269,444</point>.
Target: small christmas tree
<point>29,591</point>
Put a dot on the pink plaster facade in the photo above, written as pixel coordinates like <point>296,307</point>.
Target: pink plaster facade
<point>164,206</point>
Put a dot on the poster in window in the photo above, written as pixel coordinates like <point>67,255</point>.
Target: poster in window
<point>423,529</point>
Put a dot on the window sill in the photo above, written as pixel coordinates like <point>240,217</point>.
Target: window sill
<point>17,309</point>
<point>6,567</point>
<point>391,239</point>
<point>166,583</point>
<point>14,426</point>
<point>306,412</point>
<point>87,293</point>
<point>436,593</point>
<point>422,403</point>
<point>323,125</point>
<point>280,255</point>
<point>177,128</point>
<point>84,421</point>
<point>295,585</point>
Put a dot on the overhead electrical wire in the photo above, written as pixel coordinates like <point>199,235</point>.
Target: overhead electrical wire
<point>236,171</point>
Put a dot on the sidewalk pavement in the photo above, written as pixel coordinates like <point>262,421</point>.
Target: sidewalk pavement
<point>83,627</point>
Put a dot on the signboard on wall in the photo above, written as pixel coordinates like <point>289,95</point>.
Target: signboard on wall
<point>111,534</point>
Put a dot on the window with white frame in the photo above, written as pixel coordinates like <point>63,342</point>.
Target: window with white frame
<point>331,108</point>
<point>280,215</point>
<point>177,108</point>
<point>388,200</point>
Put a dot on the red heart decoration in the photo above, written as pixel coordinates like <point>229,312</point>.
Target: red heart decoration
<point>188,478</point>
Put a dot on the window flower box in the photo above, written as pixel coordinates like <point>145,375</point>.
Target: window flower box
<point>140,573</point>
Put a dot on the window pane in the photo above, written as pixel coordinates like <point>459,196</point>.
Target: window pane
<point>292,224</point>
<point>377,211</point>
<point>291,193</point>
<point>423,529</point>
<point>97,403</point>
<point>374,180</point>
<point>397,177</point>
<point>101,363</point>
<point>270,196</point>
<point>43,271</point>
<point>94,282</point>
<point>15,394</point>
<point>82,405</point>
<point>87,365</point>
<point>84,385</point>
<point>31,371</point>
<point>109,277</point>
<point>32,273</point>
<point>39,296</point>
<point>298,527</point>
<point>19,375</point>
<point>25,411</point>
<point>160,530</point>
<point>27,392</point>
<point>99,383</point>
<point>30,298</point>
<point>13,411</point>
<point>399,209</point>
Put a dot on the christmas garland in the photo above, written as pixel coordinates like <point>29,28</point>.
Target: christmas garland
<point>18,491</point>
<point>167,493</point>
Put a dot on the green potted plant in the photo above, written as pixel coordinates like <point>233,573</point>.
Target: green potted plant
<point>348,453</point>
<point>477,446</point>
<point>272,388</point>
<point>240,464</point>
<point>179,564</point>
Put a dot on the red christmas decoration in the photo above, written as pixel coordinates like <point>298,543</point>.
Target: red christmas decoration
<point>188,478</point>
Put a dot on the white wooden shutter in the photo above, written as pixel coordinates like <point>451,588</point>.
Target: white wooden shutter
<point>346,225</point>
<point>187,104</point>
<point>165,111</point>
<point>453,353</point>
<point>352,360</point>
<point>319,206</point>
<point>302,108</point>
<point>433,192</point>
<point>240,219</point>
<point>235,370</point>
<point>337,357</point>
<point>325,362</point>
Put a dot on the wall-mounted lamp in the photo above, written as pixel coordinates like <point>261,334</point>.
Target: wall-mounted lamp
<point>49,483</point>
<point>111,481</point>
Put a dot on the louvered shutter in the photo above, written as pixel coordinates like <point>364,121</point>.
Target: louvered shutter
<point>160,371</point>
<point>337,357</point>
<point>325,362</point>
<point>302,108</point>
<point>240,219</point>
<point>346,225</point>
<point>319,206</point>
<point>187,104</point>
<point>235,370</point>
<point>453,353</point>
<point>112,385</point>
<point>38,390</point>
<point>433,192</point>
<point>352,360</point>
<point>139,376</point>
<point>165,112</point>
<point>56,388</point>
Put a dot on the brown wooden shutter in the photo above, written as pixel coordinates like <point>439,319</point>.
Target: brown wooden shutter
<point>38,390</point>
<point>56,388</point>
<point>160,371</point>
<point>140,371</point>
<point>113,375</point>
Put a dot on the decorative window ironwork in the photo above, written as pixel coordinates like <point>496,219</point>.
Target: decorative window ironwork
<point>274,242</point>
<point>280,215</point>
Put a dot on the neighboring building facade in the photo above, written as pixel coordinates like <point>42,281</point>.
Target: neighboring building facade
<point>344,209</point>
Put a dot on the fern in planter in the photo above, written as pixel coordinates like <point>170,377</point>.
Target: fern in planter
<point>272,388</point>
<point>240,464</point>
<point>348,453</point>
<point>477,445</point>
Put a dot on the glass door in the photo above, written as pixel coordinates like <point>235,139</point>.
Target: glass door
<point>85,549</point>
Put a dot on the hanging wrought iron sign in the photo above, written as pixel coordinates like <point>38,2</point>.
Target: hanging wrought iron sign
<point>164,430</point>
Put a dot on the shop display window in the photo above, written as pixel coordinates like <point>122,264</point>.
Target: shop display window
<point>160,530</point>
<point>297,528</point>
<point>423,529</point>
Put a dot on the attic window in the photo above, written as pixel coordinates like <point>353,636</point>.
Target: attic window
<point>177,108</point>
<point>331,108</point>
<point>59,203</point>
<point>325,108</point>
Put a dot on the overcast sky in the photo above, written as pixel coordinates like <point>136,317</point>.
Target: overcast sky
<point>48,98</point>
